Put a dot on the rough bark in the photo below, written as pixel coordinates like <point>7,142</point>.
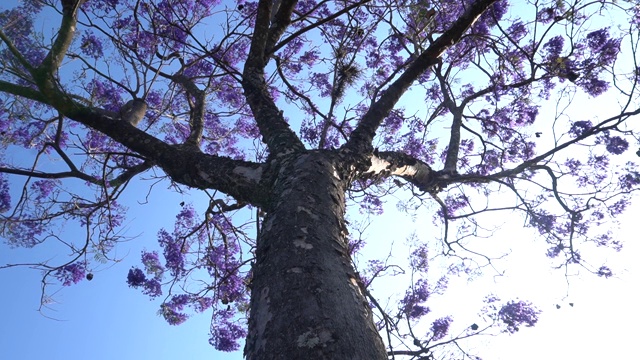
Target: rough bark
<point>306,302</point>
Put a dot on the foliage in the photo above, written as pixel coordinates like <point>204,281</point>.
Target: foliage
<point>489,111</point>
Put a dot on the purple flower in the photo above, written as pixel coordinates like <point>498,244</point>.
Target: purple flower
<point>440,327</point>
<point>42,188</point>
<point>616,145</point>
<point>70,274</point>
<point>91,46</point>
<point>516,313</point>
<point>152,265</point>
<point>592,85</point>
<point>420,259</point>
<point>135,277</point>
<point>604,271</point>
<point>578,128</point>
<point>152,287</point>
<point>371,204</point>
<point>411,303</point>
<point>225,332</point>
<point>172,252</point>
<point>554,46</point>
<point>630,180</point>
<point>171,316</point>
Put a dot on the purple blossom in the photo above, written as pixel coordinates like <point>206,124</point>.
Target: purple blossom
<point>43,188</point>
<point>592,85</point>
<point>172,316</point>
<point>555,250</point>
<point>605,272</point>
<point>440,327</point>
<point>420,259</point>
<point>630,180</point>
<point>516,313</point>
<point>543,222</point>
<point>579,128</point>
<point>226,332</point>
<point>616,145</point>
<point>152,288</point>
<point>91,46</point>
<point>24,233</point>
<point>554,46</point>
<point>70,274</point>
<point>412,302</point>
<point>172,252</point>
<point>152,265</point>
<point>603,47</point>
<point>517,30</point>
<point>618,207</point>
<point>371,204</point>
<point>201,304</point>
<point>136,277</point>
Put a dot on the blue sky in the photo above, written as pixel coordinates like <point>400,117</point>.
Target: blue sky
<point>102,318</point>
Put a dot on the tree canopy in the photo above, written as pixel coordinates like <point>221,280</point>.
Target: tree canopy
<point>467,108</point>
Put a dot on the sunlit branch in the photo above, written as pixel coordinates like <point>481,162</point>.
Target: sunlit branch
<point>388,163</point>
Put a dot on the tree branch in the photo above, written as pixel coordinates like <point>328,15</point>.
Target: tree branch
<point>387,163</point>
<point>362,137</point>
<point>281,20</point>
<point>45,73</point>
<point>274,129</point>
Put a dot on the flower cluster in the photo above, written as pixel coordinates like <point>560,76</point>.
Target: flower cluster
<point>412,304</point>
<point>171,310</point>
<point>604,271</point>
<point>151,287</point>
<point>226,332</point>
<point>440,327</point>
<point>70,274</point>
<point>579,128</point>
<point>516,313</point>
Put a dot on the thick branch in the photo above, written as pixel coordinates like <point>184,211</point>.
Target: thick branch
<point>44,74</point>
<point>183,164</point>
<point>273,128</point>
<point>388,163</point>
<point>281,20</point>
<point>26,92</point>
<point>196,116</point>
<point>363,135</point>
<point>451,161</point>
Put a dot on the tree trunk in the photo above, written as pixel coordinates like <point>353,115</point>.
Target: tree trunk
<point>305,301</point>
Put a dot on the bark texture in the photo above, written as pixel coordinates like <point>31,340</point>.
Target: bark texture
<point>306,302</point>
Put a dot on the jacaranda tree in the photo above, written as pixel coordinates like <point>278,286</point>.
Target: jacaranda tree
<point>292,110</point>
